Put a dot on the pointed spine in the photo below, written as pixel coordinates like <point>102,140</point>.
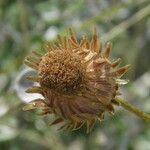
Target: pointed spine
<point>98,62</point>
<point>49,46</point>
<point>34,89</point>
<point>116,63</point>
<point>111,109</point>
<point>78,125</point>
<point>32,60</point>
<point>101,117</point>
<point>30,64</point>
<point>65,43</point>
<point>37,103</point>
<point>34,78</point>
<point>37,54</point>
<point>95,45</point>
<point>73,37</point>
<point>107,50</point>
<point>83,40</point>
<point>90,125</point>
<point>59,39</point>
<point>57,121</point>
<point>119,72</point>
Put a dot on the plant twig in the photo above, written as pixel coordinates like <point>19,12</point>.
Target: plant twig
<point>123,26</point>
<point>133,109</point>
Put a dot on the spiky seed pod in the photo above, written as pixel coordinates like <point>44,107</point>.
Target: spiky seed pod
<point>78,81</point>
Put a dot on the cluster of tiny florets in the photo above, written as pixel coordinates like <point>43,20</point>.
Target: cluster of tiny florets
<point>61,71</point>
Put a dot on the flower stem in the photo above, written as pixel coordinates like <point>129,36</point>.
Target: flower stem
<point>133,109</point>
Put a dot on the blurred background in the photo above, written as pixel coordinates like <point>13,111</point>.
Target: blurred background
<point>26,24</point>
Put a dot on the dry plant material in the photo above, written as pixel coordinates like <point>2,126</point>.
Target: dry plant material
<point>78,81</point>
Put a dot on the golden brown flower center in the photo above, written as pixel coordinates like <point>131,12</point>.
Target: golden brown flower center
<point>61,71</point>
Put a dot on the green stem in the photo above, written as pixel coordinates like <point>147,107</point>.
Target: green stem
<point>133,109</point>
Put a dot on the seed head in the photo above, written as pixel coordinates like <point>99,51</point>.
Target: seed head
<point>78,81</point>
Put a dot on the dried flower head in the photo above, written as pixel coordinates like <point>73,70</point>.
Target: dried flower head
<point>78,81</point>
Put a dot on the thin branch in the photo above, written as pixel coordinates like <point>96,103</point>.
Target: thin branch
<point>24,23</point>
<point>123,26</point>
<point>133,109</point>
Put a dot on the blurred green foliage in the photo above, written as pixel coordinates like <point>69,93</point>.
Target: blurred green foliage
<point>26,24</point>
